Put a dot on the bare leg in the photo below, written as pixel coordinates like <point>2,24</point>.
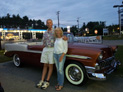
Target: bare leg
<point>50,71</point>
<point>44,71</point>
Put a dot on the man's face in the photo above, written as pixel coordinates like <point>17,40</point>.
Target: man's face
<point>49,24</point>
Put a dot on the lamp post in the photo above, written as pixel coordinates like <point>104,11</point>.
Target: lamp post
<point>78,24</point>
<point>58,17</point>
<point>118,6</point>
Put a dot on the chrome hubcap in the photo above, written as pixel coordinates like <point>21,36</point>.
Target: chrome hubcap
<point>17,60</point>
<point>74,73</point>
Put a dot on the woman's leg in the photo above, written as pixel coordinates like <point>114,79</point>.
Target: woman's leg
<point>56,59</point>
<point>61,72</point>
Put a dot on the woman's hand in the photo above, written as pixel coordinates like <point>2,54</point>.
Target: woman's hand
<point>61,57</point>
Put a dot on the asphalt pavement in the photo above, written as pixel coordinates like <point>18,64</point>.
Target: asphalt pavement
<point>23,79</point>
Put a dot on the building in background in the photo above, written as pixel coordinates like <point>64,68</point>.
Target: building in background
<point>18,34</point>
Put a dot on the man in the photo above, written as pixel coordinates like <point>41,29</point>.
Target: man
<point>47,55</point>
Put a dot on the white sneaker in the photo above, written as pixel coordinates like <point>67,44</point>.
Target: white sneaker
<point>45,85</point>
<point>39,84</point>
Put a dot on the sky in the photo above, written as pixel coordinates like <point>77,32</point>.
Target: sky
<point>70,10</point>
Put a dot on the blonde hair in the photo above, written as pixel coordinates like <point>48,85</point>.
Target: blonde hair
<point>58,29</point>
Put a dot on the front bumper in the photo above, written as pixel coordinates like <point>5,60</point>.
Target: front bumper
<point>92,74</point>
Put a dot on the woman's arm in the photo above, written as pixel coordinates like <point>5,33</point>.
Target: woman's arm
<point>65,44</point>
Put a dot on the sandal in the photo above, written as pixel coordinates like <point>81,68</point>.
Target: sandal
<point>59,88</point>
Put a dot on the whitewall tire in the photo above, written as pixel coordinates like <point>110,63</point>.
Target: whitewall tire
<point>16,60</point>
<point>75,73</point>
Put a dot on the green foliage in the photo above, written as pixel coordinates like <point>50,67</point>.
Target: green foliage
<point>113,27</point>
<point>119,56</point>
<point>4,58</point>
<point>24,23</point>
<point>94,26</point>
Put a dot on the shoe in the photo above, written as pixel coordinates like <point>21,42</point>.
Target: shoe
<point>40,84</point>
<point>45,85</point>
<point>59,88</point>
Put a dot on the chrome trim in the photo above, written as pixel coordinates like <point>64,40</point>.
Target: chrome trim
<point>20,47</point>
<point>90,69</point>
<point>96,76</point>
<point>100,76</point>
<point>78,56</point>
<point>31,51</point>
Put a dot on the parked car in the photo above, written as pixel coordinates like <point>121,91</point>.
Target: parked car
<point>84,61</point>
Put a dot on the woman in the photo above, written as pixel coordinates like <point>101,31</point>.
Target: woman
<point>60,49</point>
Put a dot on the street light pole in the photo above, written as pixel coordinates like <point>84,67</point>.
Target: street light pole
<point>115,6</point>
<point>78,24</point>
<point>58,17</point>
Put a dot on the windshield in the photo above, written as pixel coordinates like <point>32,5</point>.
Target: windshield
<point>70,36</point>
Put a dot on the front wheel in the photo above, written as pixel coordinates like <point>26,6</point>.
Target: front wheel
<point>75,73</point>
<point>16,60</point>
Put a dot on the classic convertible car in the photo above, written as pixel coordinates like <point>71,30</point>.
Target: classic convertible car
<point>84,61</point>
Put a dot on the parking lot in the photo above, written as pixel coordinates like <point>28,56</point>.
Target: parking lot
<point>23,79</point>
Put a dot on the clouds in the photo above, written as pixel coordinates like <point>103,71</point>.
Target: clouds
<point>88,10</point>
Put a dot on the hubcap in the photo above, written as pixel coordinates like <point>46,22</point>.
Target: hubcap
<point>16,60</point>
<point>74,73</point>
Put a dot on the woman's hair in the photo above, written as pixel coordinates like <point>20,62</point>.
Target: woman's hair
<point>58,29</point>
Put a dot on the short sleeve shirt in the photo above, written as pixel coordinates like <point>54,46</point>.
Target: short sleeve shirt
<point>48,39</point>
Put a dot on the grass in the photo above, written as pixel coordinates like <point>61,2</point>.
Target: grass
<point>4,58</point>
<point>119,56</point>
<point>112,37</point>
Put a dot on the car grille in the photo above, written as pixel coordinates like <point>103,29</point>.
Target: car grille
<point>107,62</point>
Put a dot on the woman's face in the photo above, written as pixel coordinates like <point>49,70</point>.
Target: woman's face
<point>58,33</point>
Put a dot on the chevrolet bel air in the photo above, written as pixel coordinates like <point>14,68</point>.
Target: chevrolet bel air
<point>83,61</point>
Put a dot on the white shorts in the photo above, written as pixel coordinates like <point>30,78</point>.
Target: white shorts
<point>47,56</point>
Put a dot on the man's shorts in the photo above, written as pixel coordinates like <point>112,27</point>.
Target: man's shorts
<point>47,56</point>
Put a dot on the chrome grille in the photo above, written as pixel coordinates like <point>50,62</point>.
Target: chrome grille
<point>107,62</point>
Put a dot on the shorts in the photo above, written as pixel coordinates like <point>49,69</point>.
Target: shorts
<point>47,56</point>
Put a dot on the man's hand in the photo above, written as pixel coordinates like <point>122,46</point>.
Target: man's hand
<point>65,38</point>
<point>43,45</point>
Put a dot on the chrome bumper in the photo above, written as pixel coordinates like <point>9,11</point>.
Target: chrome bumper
<point>101,76</point>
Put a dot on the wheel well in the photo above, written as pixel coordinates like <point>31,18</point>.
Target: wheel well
<point>72,61</point>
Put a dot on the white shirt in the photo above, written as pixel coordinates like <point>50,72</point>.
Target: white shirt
<point>60,46</point>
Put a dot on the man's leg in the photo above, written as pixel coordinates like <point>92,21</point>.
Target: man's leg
<point>46,83</point>
<point>50,71</point>
<point>43,76</point>
<point>44,71</point>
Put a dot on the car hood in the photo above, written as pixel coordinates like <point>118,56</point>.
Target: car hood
<point>84,48</point>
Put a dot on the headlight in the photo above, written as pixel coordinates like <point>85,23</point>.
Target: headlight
<point>116,50</point>
<point>97,67</point>
<point>5,52</point>
<point>100,56</point>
